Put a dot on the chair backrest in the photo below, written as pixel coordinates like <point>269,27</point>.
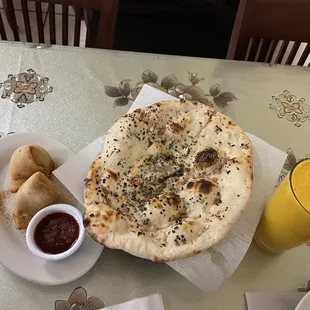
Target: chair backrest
<point>99,16</point>
<point>274,31</point>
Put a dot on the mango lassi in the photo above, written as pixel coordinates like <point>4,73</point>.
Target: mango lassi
<point>285,222</point>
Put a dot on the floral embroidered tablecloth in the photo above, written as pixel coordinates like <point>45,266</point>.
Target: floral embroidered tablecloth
<point>76,94</point>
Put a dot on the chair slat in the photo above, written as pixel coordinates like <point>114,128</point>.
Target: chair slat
<point>101,15</point>
<point>282,51</point>
<point>40,24</point>
<point>88,20</point>
<point>263,50</point>
<point>77,26</point>
<point>304,55</point>
<point>261,41</point>
<point>253,50</point>
<point>65,24</point>
<point>271,50</point>
<point>95,27</point>
<point>12,17</point>
<point>267,19</point>
<point>51,15</point>
<point>26,20</point>
<point>107,23</point>
<point>293,52</point>
<point>2,29</point>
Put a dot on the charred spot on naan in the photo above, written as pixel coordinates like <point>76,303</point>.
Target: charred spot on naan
<point>114,176</point>
<point>206,158</point>
<point>175,127</point>
<point>198,195</point>
<point>202,186</point>
<point>109,216</point>
<point>205,186</point>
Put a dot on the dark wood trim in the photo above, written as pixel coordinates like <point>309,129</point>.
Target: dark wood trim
<point>51,15</point>
<point>77,25</point>
<point>304,55</point>
<point>272,48</point>
<point>65,23</point>
<point>88,21</point>
<point>101,21</point>
<point>12,18</point>
<point>253,50</point>
<point>282,51</point>
<point>40,24</point>
<point>293,53</point>
<point>26,20</point>
<point>107,24</point>
<point>264,50</point>
<point>286,20</point>
<point>2,29</point>
<point>236,30</point>
<point>93,4</point>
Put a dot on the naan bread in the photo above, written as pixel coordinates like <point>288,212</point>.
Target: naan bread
<point>171,181</point>
<point>27,160</point>
<point>35,194</point>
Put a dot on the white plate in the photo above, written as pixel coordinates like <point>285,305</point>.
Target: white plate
<point>14,253</point>
<point>304,303</point>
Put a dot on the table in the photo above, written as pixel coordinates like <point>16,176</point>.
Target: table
<point>78,110</point>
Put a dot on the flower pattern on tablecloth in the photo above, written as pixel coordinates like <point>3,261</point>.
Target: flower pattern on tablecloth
<point>78,301</point>
<point>2,134</point>
<point>290,162</point>
<point>290,107</point>
<point>124,93</point>
<point>25,88</point>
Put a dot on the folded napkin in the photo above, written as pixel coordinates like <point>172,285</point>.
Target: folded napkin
<point>153,302</point>
<point>273,301</point>
<point>209,269</point>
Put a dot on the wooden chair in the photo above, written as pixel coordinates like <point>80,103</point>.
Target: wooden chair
<point>100,17</point>
<point>276,31</point>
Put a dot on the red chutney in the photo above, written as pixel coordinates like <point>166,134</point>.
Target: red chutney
<point>56,233</point>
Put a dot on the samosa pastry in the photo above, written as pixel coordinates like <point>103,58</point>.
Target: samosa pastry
<point>35,194</point>
<point>27,160</point>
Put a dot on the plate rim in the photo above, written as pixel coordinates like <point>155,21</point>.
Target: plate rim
<point>10,135</point>
<point>304,299</point>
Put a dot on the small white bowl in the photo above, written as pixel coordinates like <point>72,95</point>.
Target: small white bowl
<point>43,213</point>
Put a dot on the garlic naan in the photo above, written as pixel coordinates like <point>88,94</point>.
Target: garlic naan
<point>170,182</point>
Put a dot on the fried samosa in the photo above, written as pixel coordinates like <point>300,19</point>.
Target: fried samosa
<point>27,160</point>
<point>35,194</point>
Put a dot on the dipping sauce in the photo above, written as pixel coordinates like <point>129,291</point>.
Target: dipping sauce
<point>56,233</point>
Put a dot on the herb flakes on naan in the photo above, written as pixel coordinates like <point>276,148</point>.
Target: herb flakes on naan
<point>170,182</point>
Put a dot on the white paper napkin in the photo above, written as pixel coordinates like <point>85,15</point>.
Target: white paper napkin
<point>273,301</point>
<point>206,270</point>
<point>153,302</point>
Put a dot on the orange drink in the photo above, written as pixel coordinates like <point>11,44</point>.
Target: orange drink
<point>285,222</point>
